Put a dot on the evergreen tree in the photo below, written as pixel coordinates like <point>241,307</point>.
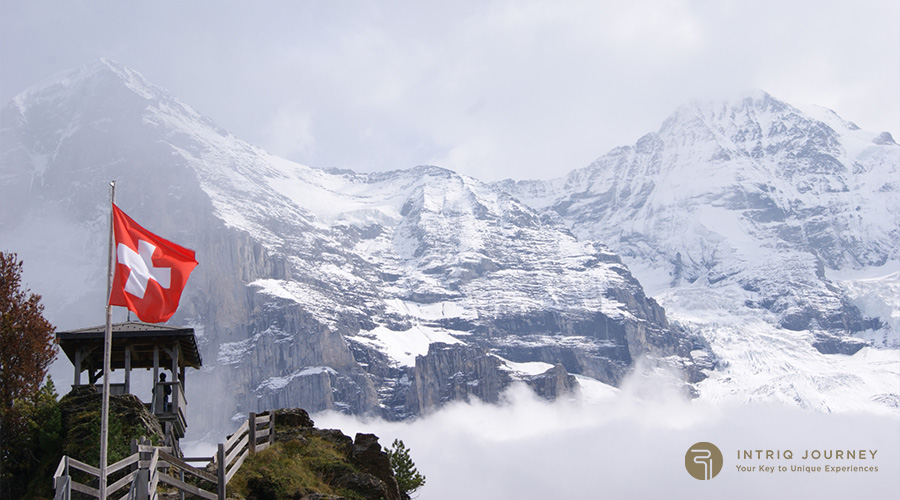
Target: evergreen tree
<point>408,478</point>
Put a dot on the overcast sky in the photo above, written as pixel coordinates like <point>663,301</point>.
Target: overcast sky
<point>493,89</point>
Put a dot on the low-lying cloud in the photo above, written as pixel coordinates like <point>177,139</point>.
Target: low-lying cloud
<point>629,446</point>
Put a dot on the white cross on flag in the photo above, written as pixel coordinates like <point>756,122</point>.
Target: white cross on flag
<point>150,271</point>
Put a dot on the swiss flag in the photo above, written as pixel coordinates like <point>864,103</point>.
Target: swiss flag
<point>150,271</point>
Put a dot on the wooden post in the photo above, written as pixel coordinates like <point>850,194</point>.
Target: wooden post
<point>175,353</point>
<point>220,459</point>
<point>153,403</point>
<point>63,484</point>
<point>107,352</point>
<point>252,435</point>
<point>271,427</point>
<point>78,356</point>
<point>128,369</point>
<point>63,487</point>
<point>143,484</point>
<point>134,449</point>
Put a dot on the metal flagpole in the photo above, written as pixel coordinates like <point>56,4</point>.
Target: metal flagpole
<point>107,352</point>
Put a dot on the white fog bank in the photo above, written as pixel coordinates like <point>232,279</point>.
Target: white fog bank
<point>625,447</point>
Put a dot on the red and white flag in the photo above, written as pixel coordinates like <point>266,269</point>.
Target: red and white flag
<point>150,271</point>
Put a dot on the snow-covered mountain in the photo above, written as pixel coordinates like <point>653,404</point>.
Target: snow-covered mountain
<point>752,222</point>
<point>387,293</point>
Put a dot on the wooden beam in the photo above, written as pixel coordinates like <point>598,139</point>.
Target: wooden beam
<point>176,351</point>
<point>153,403</point>
<point>181,485</point>
<point>128,369</point>
<point>90,469</point>
<point>188,468</point>
<point>124,481</point>
<point>252,437</point>
<point>220,472</point>
<point>236,466</point>
<point>242,445</point>
<point>78,356</point>
<point>87,490</point>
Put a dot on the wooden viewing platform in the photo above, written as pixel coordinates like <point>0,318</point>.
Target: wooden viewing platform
<point>137,345</point>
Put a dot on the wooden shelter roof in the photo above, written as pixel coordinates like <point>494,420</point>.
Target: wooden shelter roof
<point>141,337</point>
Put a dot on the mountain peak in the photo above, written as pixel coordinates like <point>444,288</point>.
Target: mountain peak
<point>736,109</point>
<point>101,77</point>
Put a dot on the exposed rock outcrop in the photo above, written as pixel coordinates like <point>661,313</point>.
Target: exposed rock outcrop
<point>311,463</point>
<point>129,419</point>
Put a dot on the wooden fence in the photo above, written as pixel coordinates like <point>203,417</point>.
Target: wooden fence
<point>148,466</point>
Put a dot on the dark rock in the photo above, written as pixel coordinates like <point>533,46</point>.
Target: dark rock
<point>293,417</point>
<point>553,383</point>
<point>367,486</point>
<point>368,456</point>
<point>833,344</point>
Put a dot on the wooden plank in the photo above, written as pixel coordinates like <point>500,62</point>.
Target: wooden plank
<point>154,463</point>
<point>252,434</point>
<point>75,464</point>
<point>237,435</point>
<point>262,446</point>
<point>220,472</point>
<point>262,420</point>
<point>121,464</point>
<point>121,482</point>
<point>202,474</point>
<point>242,445</point>
<point>187,488</point>
<point>144,448</point>
<point>154,482</point>
<point>61,467</point>
<point>237,465</point>
<point>161,464</point>
<point>199,459</point>
<point>87,490</point>
<point>272,428</point>
<point>63,491</point>
<point>263,434</point>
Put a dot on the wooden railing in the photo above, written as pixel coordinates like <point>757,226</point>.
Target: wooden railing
<point>64,484</point>
<point>151,465</point>
<point>170,411</point>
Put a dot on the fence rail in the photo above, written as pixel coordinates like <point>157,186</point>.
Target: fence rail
<point>148,466</point>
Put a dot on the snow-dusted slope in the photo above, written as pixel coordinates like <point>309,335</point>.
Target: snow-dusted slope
<point>388,293</point>
<point>750,221</point>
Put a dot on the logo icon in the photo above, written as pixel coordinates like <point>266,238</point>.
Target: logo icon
<point>703,461</point>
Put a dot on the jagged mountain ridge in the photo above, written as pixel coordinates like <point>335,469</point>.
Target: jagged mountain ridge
<point>752,193</point>
<point>387,293</point>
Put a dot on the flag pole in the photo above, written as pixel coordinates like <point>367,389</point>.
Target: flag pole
<point>107,353</point>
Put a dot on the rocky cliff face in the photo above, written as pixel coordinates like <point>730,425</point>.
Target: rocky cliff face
<point>320,289</point>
